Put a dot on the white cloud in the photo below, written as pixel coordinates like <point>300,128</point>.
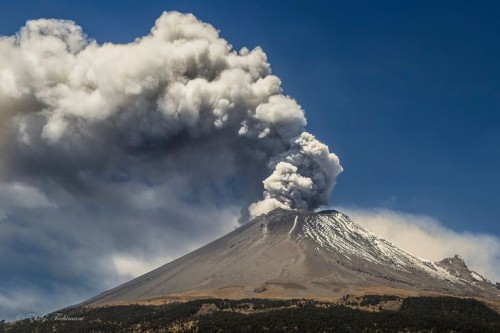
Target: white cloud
<point>427,238</point>
<point>21,195</point>
<point>129,267</point>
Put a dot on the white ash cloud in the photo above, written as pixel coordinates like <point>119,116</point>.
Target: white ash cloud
<point>140,150</point>
<point>93,108</point>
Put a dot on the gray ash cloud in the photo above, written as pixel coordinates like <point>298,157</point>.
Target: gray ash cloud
<point>74,108</point>
<point>112,150</point>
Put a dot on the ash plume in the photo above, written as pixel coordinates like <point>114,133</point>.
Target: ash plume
<point>76,114</point>
<point>118,154</point>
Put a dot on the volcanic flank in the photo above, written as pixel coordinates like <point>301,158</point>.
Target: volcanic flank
<point>294,254</point>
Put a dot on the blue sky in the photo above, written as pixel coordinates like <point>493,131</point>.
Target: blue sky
<point>405,93</point>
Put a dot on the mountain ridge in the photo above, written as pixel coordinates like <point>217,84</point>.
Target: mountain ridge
<point>298,254</point>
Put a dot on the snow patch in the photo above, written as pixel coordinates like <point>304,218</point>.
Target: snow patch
<point>477,277</point>
<point>294,225</point>
<point>338,233</point>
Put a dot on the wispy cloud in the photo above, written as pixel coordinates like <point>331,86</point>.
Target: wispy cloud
<point>428,238</point>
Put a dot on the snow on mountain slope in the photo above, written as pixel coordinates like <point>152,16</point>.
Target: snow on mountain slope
<point>296,254</point>
<point>336,232</point>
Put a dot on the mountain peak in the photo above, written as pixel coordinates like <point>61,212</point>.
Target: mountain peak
<point>457,267</point>
<point>299,254</point>
<point>455,261</point>
<point>328,212</point>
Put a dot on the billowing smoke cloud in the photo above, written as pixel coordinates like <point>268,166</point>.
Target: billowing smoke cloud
<point>302,178</point>
<point>114,154</point>
<point>96,109</point>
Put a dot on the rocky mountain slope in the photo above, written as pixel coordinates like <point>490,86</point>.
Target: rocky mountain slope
<point>292,254</point>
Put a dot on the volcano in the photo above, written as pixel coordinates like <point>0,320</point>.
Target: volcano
<point>295,254</point>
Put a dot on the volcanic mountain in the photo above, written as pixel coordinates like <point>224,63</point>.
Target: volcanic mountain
<point>294,254</point>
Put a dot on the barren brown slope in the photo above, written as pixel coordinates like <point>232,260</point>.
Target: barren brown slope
<point>295,254</point>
